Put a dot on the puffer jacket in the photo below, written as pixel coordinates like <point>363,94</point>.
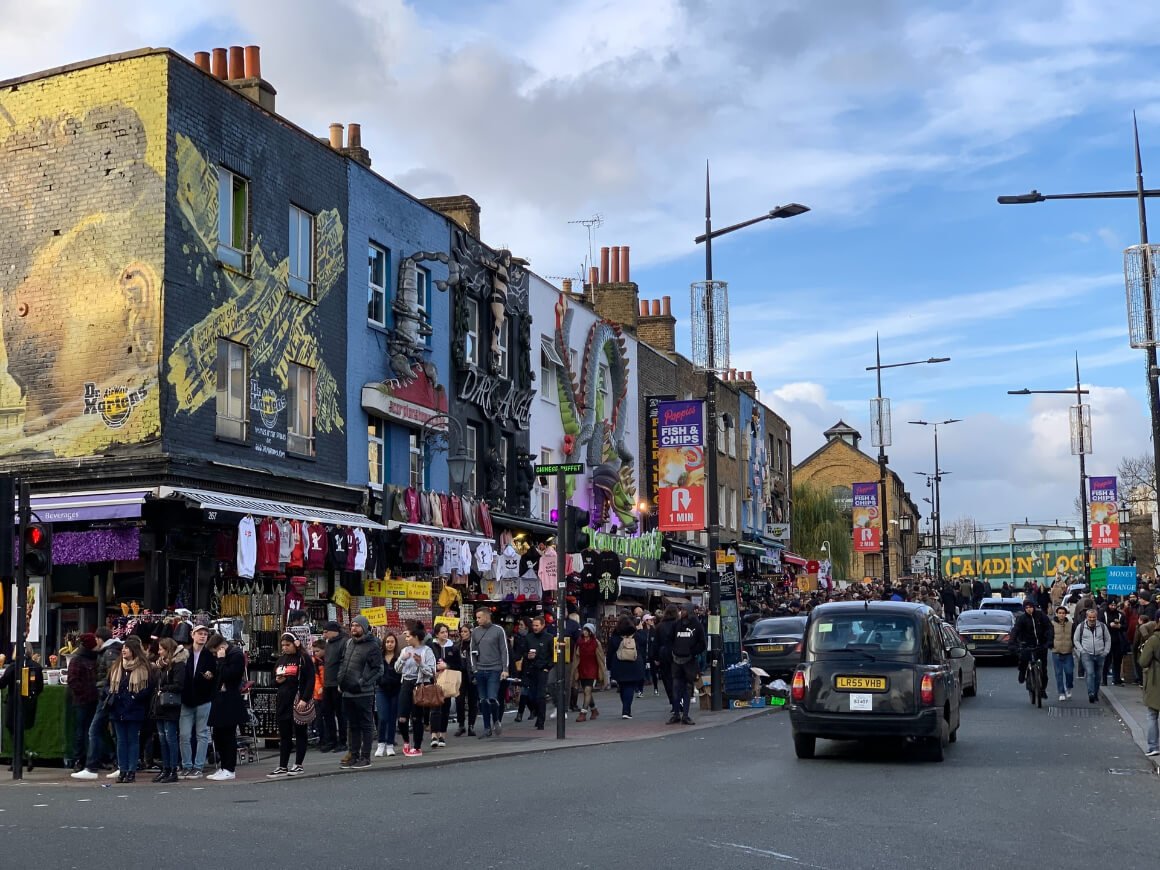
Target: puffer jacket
<point>1063,643</point>
<point>362,665</point>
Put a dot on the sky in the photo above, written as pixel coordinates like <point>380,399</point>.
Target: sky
<point>897,123</point>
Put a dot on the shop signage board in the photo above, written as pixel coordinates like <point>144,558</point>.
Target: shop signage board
<point>341,598</point>
<point>681,461</point>
<point>375,615</point>
<point>777,531</point>
<point>567,468</point>
<point>867,520</point>
<point>452,622</point>
<point>653,404</point>
<point>1121,579</point>
<point>1104,513</point>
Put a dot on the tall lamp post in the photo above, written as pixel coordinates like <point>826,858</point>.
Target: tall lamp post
<point>936,515</point>
<point>880,437</point>
<point>1080,420</point>
<point>713,366</point>
<point>435,438</point>
<point>1139,264</point>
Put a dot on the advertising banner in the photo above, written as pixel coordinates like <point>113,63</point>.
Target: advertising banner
<point>653,477</point>
<point>867,520</point>
<point>681,466</point>
<point>1104,513</point>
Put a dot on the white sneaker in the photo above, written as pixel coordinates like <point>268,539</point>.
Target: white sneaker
<point>380,750</point>
<point>553,715</point>
<point>1067,694</point>
<point>390,750</point>
<point>1063,697</point>
<point>222,775</point>
<point>1152,753</point>
<point>85,774</point>
<point>112,774</point>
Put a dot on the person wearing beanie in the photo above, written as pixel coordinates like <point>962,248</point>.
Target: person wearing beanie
<point>82,695</point>
<point>588,668</point>
<point>358,678</point>
<point>332,726</point>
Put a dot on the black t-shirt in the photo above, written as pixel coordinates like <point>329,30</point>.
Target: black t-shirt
<point>607,569</point>
<point>337,550</point>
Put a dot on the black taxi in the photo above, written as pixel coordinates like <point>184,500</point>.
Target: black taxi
<point>875,669</point>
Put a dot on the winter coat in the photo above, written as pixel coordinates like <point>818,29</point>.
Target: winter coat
<point>109,652</point>
<point>229,708</point>
<point>297,672</point>
<point>82,678</point>
<point>666,631</point>
<point>127,705</point>
<point>332,659</point>
<point>583,666</point>
<point>1150,664</point>
<point>389,681</point>
<point>171,679</point>
<point>362,664</point>
<point>1093,641</point>
<point>624,672</point>
<point>542,644</point>
<point>1113,618</point>
<point>1034,630</point>
<point>1062,643</point>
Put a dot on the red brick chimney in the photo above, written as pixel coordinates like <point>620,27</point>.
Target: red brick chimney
<point>241,68</point>
<point>657,327</point>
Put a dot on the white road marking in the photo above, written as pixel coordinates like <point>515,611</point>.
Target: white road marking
<point>84,800</point>
<point>768,853</point>
<point>37,806</point>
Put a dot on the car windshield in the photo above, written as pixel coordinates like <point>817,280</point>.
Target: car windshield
<point>999,604</point>
<point>792,625</point>
<point>863,632</point>
<point>985,617</point>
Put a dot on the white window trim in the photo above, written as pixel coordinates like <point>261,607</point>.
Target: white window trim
<point>381,441</point>
<point>548,490</point>
<point>423,297</point>
<point>373,288</point>
<point>471,351</point>
<point>236,427</point>
<point>229,254</point>
<point>298,213</point>
<point>504,355</point>
<point>548,388</point>
<point>296,439</point>
<point>416,449</point>
<point>471,447</point>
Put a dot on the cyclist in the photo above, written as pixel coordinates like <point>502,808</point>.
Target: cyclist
<point>1032,635</point>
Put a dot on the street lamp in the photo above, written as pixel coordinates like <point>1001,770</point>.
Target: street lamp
<point>936,515</point>
<point>880,437</point>
<point>1080,423</point>
<point>711,374</point>
<point>459,463</point>
<point>1138,268</point>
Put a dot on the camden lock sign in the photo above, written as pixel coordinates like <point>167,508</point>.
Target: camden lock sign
<point>498,398</point>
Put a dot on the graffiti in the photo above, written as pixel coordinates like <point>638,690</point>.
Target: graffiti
<point>258,312</point>
<point>267,403</point>
<point>589,426</point>
<point>498,398</point>
<point>82,202</point>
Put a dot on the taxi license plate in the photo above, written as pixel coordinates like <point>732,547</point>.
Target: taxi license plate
<point>861,684</point>
<point>771,647</point>
<point>985,637</point>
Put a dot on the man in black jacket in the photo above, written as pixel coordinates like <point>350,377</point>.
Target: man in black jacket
<point>333,723</point>
<point>99,747</point>
<point>688,644</point>
<point>1032,635</point>
<point>201,679</point>
<point>358,677</point>
<point>537,661</point>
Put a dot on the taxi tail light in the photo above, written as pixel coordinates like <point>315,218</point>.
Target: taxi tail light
<point>797,647</point>
<point>926,689</point>
<point>798,689</point>
<point>1005,638</point>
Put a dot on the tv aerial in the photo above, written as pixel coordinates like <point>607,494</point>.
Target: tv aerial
<point>597,220</point>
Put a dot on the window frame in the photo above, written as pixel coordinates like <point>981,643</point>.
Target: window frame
<point>300,285</point>
<point>505,449</point>
<point>471,448</point>
<point>228,426</point>
<point>416,453</point>
<point>301,443</point>
<point>374,289</point>
<point>548,387</point>
<point>229,254</point>
<point>377,439</point>
<point>547,492</point>
<point>504,348</point>
<point>604,389</point>
<point>423,298</point>
<point>471,337</point>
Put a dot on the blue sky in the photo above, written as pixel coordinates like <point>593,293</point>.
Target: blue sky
<point>897,122</point>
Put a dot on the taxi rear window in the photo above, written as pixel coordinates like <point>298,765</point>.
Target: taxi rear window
<point>865,632</point>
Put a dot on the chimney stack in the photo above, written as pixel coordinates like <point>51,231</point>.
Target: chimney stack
<point>567,285</point>
<point>241,68</point>
<point>220,64</point>
<point>201,59</point>
<point>354,149</point>
<point>746,385</point>
<point>462,209</point>
<point>336,136</point>
<point>624,263</point>
<point>657,326</point>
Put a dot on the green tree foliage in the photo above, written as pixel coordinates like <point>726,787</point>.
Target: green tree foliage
<point>817,518</point>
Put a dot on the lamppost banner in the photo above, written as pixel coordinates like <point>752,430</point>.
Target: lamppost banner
<point>1104,513</point>
<point>867,519</point>
<point>681,466</point>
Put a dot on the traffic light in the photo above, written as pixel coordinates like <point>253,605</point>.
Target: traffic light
<point>37,552</point>
<point>575,521</point>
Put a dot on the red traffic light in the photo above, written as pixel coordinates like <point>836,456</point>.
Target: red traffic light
<point>36,536</point>
<point>37,555</point>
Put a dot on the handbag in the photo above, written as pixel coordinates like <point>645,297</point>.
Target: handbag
<point>168,699</point>
<point>305,717</point>
<point>449,682</point>
<point>427,695</point>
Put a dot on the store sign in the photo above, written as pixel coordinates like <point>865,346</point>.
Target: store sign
<point>566,468</point>
<point>341,598</point>
<point>1104,513</point>
<point>375,615</point>
<point>498,398</point>
<point>654,405</point>
<point>777,531</point>
<point>649,545</point>
<point>867,521</point>
<point>452,622</point>
<point>681,457</point>
<point>1121,579</point>
<point>269,437</point>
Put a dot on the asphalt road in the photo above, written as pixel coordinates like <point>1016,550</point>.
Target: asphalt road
<point>1022,787</point>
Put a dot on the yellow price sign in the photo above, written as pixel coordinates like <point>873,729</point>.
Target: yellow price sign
<point>452,622</point>
<point>341,598</point>
<point>418,590</point>
<point>375,615</point>
<point>724,558</point>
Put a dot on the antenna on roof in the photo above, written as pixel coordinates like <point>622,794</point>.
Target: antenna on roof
<point>597,220</point>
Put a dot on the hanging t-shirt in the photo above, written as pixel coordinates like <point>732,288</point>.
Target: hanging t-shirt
<point>463,553</point>
<point>360,553</point>
<point>337,553</point>
<point>529,589</point>
<point>247,547</point>
<point>316,544</point>
<point>484,557</point>
<point>295,594</point>
<point>297,551</point>
<point>548,569</point>
<point>450,559</point>
<point>608,574</point>
<point>508,564</point>
<point>350,541</point>
<point>285,541</point>
<point>371,539</point>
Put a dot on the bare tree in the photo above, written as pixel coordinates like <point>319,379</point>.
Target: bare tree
<point>1138,475</point>
<point>962,530</point>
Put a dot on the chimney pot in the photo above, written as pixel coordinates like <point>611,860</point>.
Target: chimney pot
<point>201,59</point>
<point>354,136</point>
<point>593,276</point>
<point>237,62</point>
<point>567,282</point>
<point>624,263</point>
<point>615,276</point>
<point>604,265</point>
<point>656,308</point>
<point>666,306</point>
<point>219,68</point>
<point>643,305</point>
<point>336,136</point>
<point>253,62</point>
<point>748,375</point>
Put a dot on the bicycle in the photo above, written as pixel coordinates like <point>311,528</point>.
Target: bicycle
<point>1036,679</point>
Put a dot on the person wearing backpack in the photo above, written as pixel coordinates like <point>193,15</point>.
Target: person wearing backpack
<point>688,643</point>
<point>626,659</point>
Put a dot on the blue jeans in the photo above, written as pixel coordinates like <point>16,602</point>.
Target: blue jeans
<point>487,685</point>
<point>128,745</point>
<point>627,693</point>
<point>1153,729</point>
<point>98,746</point>
<point>1064,671</point>
<point>1093,666</point>
<point>194,723</point>
<point>167,738</point>
<point>387,711</point>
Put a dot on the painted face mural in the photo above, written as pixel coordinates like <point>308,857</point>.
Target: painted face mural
<point>81,205</point>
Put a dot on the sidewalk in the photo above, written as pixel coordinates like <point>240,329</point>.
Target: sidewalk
<point>1128,702</point>
<point>650,714</point>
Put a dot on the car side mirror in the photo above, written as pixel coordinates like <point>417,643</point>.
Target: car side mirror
<point>957,652</point>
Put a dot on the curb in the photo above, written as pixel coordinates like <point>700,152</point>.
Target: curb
<point>1134,727</point>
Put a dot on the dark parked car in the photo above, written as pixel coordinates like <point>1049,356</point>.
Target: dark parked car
<point>1011,605</point>
<point>968,677</point>
<point>987,632</point>
<point>775,645</point>
<point>875,669</point>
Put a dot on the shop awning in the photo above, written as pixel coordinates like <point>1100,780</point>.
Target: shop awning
<point>243,504</point>
<point>793,559</point>
<point>645,584</point>
<point>750,549</point>
<point>108,504</point>
<point>439,532</point>
<point>510,521</point>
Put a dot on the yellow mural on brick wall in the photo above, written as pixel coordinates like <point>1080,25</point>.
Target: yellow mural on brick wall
<point>82,199</point>
<point>276,327</point>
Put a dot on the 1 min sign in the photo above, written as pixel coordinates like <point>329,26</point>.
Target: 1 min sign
<point>558,468</point>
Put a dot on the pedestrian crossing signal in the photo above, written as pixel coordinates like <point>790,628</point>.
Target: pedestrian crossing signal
<point>37,551</point>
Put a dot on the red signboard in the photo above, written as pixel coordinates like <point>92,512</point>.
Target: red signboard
<point>867,540</point>
<point>681,508</point>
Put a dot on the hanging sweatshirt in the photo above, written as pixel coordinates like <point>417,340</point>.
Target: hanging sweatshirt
<point>247,547</point>
<point>268,545</point>
<point>316,545</point>
<point>360,553</point>
<point>285,540</point>
<point>297,551</point>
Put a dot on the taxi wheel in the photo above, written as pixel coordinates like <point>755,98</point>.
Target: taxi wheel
<point>973,689</point>
<point>936,745</point>
<point>803,745</point>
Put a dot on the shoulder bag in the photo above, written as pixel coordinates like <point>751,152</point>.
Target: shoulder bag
<point>427,695</point>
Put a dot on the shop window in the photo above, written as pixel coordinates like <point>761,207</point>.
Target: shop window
<point>471,439</point>
<point>471,339</point>
<point>301,249</point>
<point>604,393</point>
<point>231,390</point>
<point>233,219</point>
<point>417,457</point>
<point>547,487</point>
<point>376,452</point>
<point>300,413</point>
<point>378,267</point>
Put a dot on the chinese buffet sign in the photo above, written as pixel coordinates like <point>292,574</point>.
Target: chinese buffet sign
<point>867,520</point>
<point>681,466</point>
<point>1104,513</point>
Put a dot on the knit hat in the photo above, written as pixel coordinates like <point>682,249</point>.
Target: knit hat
<point>332,626</point>
<point>364,622</point>
<point>89,640</point>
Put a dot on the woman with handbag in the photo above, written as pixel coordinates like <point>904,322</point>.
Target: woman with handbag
<point>131,686</point>
<point>449,676</point>
<point>171,659</point>
<point>416,666</point>
<point>294,708</point>
<point>468,693</point>
<point>387,697</point>
<point>228,710</point>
